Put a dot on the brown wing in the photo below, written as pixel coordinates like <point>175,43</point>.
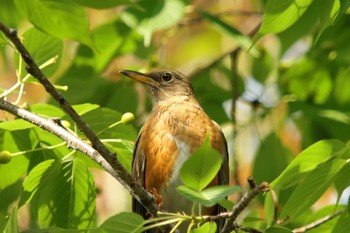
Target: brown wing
<point>138,173</point>
<point>224,175</point>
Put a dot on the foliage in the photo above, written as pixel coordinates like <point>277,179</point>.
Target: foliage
<point>289,124</point>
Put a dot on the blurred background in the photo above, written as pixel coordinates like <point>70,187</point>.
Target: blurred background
<point>272,94</point>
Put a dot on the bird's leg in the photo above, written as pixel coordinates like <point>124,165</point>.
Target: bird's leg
<point>158,197</point>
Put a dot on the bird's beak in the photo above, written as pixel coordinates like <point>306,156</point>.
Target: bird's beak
<point>140,77</point>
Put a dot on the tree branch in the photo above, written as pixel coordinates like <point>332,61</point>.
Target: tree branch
<point>243,203</point>
<point>120,173</point>
<point>317,223</point>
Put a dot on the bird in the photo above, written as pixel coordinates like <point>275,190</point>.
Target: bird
<point>176,127</point>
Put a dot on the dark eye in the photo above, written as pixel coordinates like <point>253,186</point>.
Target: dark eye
<point>167,77</point>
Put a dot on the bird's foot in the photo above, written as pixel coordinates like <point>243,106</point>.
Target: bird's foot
<point>158,197</point>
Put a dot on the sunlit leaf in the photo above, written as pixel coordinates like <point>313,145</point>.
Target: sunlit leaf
<point>62,194</point>
<point>209,227</point>
<point>17,124</point>
<point>121,223</point>
<point>279,15</point>
<point>307,161</point>
<point>201,168</point>
<point>42,47</point>
<point>153,15</point>
<point>312,187</point>
<point>277,230</point>
<point>102,4</point>
<point>207,197</point>
<point>81,109</point>
<point>62,19</point>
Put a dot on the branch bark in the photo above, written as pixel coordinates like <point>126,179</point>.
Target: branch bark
<point>243,203</point>
<point>100,149</point>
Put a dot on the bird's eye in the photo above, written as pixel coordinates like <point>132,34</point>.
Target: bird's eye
<point>167,77</point>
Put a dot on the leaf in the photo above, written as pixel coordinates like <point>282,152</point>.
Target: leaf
<point>280,15</point>
<point>335,115</point>
<point>12,224</point>
<point>17,124</point>
<point>307,161</point>
<point>101,118</point>
<point>208,227</point>
<point>152,16</point>
<point>62,19</point>
<point>343,224</point>
<point>312,187</point>
<point>62,194</point>
<point>102,4</point>
<point>46,110</point>
<point>124,150</point>
<point>9,15</point>
<point>243,41</point>
<point>272,150</point>
<point>341,180</point>
<point>277,230</point>
<point>201,168</point>
<point>11,172</point>
<point>341,82</point>
<point>114,39</point>
<point>121,223</point>
<point>42,47</point>
<point>207,197</point>
<point>81,109</point>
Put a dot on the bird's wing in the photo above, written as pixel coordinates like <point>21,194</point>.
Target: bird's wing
<point>224,175</point>
<point>138,173</point>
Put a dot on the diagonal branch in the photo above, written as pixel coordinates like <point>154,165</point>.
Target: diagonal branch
<point>243,203</point>
<point>317,223</point>
<point>121,173</point>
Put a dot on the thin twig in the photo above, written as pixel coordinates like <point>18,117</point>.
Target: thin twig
<point>242,204</point>
<point>317,223</point>
<point>120,173</point>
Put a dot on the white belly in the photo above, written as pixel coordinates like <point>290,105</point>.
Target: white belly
<point>172,200</point>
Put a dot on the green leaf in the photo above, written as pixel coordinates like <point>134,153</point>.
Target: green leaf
<point>243,41</point>
<point>42,48</point>
<point>62,194</point>
<point>101,118</point>
<point>124,150</point>
<point>3,39</point>
<point>343,224</point>
<point>81,109</point>
<point>62,19</point>
<point>46,110</point>
<point>152,16</point>
<point>9,15</point>
<point>312,187</point>
<point>277,230</point>
<point>17,124</point>
<point>335,115</point>
<point>341,180</point>
<point>280,15</point>
<point>342,81</point>
<point>208,227</point>
<point>201,168</point>
<point>121,223</point>
<point>207,197</point>
<point>13,171</point>
<point>272,150</point>
<point>111,40</point>
<point>307,161</point>
<point>12,224</point>
<point>102,4</point>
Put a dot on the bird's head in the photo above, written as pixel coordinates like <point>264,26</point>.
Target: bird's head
<point>163,84</point>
